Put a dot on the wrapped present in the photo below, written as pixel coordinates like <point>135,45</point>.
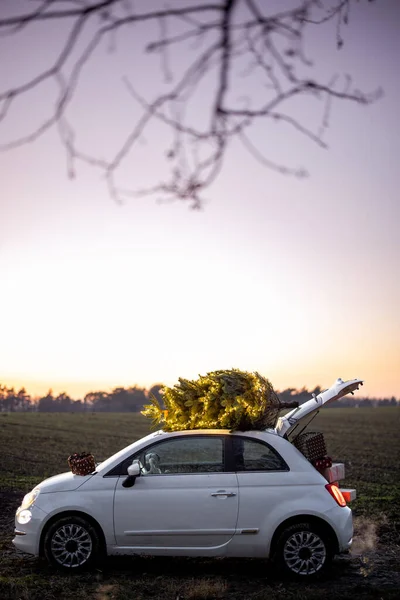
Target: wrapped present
<point>334,473</point>
<point>82,464</point>
<point>349,494</point>
<point>311,444</point>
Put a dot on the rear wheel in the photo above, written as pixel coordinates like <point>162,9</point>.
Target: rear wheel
<point>72,544</point>
<point>303,551</point>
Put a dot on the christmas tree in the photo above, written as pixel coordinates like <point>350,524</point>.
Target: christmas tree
<point>227,399</point>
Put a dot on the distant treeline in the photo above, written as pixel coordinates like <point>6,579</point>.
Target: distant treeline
<point>133,398</point>
<point>291,395</point>
<point>120,399</point>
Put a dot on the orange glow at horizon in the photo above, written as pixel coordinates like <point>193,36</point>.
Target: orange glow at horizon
<point>296,279</point>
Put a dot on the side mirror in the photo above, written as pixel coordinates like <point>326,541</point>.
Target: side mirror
<point>133,472</point>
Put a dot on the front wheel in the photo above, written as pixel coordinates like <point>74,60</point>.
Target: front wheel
<point>303,551</point>
<point>72,544</point>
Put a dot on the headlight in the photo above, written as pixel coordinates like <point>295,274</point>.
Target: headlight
<point>24,516</point>
<point>29,499</point>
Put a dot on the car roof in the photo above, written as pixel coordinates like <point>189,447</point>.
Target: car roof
<point>254,432</point>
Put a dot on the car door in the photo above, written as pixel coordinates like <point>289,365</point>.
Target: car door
<point>182,499</point>
<point>263,479</point>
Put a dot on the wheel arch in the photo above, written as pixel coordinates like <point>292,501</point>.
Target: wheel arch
<point>72,513</point>
<point>318,522</point>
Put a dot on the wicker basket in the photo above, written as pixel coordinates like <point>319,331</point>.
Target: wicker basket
<point>82,464</point>
<point>311,444</point>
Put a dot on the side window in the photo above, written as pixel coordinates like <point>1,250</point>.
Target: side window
<point>184,455</point>
<point>253,455</point>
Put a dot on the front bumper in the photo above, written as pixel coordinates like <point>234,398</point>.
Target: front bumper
<point>27,536</point>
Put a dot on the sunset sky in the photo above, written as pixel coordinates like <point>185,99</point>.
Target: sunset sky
<point>298,279</point>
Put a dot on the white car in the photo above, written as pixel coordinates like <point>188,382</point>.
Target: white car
<point>196,493</point>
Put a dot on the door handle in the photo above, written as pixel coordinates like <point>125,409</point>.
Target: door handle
<point>223,493</point>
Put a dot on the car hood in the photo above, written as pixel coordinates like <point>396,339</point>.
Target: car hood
<point>64,482</point>
<point>294,422</point>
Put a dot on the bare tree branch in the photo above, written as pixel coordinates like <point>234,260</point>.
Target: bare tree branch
<point>259,156</point>
<point>24,21</point>
<point>10,95</point>
<point>223,36</point>
<point>41,15</point>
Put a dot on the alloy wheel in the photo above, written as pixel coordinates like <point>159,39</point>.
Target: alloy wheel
<point>71,545</point>
<point>304,553</point>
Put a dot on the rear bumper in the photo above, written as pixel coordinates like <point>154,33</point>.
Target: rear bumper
<point>341,518</point>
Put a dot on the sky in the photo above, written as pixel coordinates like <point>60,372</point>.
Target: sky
<point>298,279</point>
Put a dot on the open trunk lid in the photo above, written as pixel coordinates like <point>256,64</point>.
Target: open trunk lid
<point>295,421</point>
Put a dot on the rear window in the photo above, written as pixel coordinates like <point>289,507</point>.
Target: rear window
<point>253,455</point>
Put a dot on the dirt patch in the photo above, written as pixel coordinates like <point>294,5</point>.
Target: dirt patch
<point>105,591</point>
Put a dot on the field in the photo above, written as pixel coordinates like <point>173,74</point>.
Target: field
<point>34,446</point>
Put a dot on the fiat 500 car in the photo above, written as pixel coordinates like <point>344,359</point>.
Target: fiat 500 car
<point>210,493</point>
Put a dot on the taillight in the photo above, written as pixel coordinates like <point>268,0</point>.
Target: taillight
<point>336,494</point>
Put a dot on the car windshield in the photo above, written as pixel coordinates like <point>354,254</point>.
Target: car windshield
<point>115,458</point>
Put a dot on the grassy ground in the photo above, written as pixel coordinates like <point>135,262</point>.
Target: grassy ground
<point>34,446</point>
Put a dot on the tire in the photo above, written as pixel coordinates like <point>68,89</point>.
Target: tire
<point>303,551</point>
<point>72,544</point>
